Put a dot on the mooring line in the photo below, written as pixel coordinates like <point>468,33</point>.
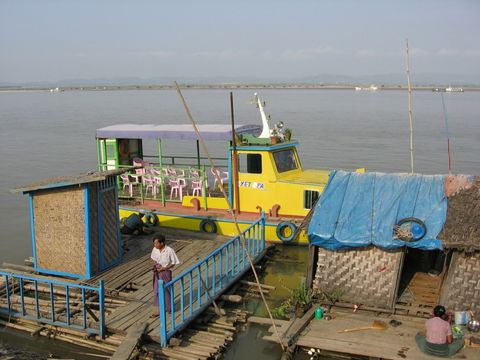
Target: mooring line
<point>230,210</point>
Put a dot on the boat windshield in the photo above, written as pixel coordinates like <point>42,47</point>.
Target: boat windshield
<point>285,160</point>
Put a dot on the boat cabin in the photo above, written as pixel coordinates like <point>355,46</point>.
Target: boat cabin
<point>270,175</point>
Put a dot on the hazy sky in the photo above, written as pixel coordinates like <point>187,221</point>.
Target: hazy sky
<point>62,39</point>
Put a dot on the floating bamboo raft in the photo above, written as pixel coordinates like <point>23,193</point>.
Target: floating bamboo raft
<point>129,302</point>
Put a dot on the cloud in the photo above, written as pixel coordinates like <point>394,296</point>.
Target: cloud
<point>420,52</point>
<point>376,54</point>
<point>161,54</point>
<point>308,53</point>
<point>219,54</point>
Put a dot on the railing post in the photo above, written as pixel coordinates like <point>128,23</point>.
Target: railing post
<point>101,308</point>
<point>67,305</point>
<point>7,289</point>
<point>21,297</point>
<point>262,222</point>
<point>161,310</point>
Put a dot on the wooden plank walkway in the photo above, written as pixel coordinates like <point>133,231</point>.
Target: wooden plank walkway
<point>132,280</point>
<point>394,343</point>
<point>129,299</point>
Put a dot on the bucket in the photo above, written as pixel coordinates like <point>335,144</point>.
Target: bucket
<point>318,313</point>
<point>461,317</point>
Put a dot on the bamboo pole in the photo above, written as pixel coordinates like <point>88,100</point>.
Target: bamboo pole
<point>410,115</point>
<point>232,213</point>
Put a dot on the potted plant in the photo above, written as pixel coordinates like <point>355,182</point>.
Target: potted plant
<point>287,134</point>
<point>274,138</point>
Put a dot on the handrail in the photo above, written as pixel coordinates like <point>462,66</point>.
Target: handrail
<point>55,291</point>
<point>200,284</point>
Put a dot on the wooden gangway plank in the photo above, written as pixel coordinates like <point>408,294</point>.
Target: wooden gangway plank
<point>126,348</point>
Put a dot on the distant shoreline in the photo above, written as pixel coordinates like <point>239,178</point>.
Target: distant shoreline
<point>226,87</point>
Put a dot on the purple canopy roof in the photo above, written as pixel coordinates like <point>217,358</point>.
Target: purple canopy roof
<point>174,131</point>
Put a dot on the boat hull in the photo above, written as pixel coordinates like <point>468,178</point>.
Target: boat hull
<point>224,226</point>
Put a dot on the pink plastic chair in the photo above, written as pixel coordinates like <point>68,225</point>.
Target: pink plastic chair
<point>139,162</point>
<point>149,184</point>
<point>197,187</point>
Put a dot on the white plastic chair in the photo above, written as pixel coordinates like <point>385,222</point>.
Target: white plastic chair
<point>222,175</point>
<point>128,182</point>
<point>176,187</point>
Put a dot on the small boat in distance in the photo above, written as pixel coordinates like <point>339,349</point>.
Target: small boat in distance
<point>370,88</point>
<point>453,89</point>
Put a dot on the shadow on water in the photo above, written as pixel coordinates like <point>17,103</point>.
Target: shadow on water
<point>21,345</point>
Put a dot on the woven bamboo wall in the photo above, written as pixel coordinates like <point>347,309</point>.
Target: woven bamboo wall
<point>461,290</point>
<point>93,224</point>
<point>109,224</point>
<point>366,276</point>
<point>59,230</point>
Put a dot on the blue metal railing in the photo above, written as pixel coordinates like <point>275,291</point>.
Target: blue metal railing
<point>192,290</point>
<point>53,302</point>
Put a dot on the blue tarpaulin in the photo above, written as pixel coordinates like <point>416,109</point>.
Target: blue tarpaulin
<point>361,209</point>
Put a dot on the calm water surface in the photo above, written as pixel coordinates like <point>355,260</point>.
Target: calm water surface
<point>44,134</point>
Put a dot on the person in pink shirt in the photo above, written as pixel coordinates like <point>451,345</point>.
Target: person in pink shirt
<point>439,340</point>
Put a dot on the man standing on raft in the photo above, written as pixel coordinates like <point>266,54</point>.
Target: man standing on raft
<point>165,259</point>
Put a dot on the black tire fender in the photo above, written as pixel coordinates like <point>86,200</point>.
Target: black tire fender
<point>208,226</point>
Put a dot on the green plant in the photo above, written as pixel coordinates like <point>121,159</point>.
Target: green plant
<point>287,133</point>
<point>332,296</point>
<point>300,297</point>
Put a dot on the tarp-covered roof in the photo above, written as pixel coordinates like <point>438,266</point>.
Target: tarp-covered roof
<point>63,181</point>
<point>174,131</point>
<point>361,209</point>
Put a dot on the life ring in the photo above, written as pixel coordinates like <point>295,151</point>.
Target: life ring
<point>123,148</point>
<point>290,229</point>
<point>418,230</point>
<point>208,226</point>
<point>151,219</point>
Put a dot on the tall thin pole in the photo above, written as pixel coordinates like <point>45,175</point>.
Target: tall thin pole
<point>445,115</point>
<point>236,194</point>
<point>410,115</point>
<point>230,210</point>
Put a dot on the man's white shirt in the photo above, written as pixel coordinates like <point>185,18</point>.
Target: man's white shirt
<point>164,257</point>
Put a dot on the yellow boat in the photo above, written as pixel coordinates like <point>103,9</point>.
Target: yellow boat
<point>262,173</point>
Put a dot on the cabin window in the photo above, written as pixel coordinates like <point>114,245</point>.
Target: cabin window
<point>111,151</point>
<point>285,160</point>
<point>310,197</point>
<point>250,163</point>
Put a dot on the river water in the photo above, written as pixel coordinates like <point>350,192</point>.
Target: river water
<point>46,134</point>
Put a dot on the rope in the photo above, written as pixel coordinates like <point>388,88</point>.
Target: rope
<point>230,210</point>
